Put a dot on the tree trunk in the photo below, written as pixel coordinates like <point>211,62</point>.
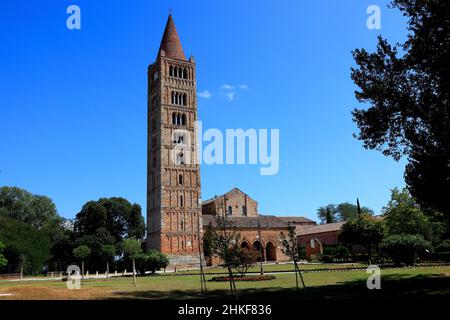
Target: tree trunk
<point>21,272</point>
<point>296,275</point>
<point>107,269</point>
<point>300,273</point>
<point>82,271</point>
<point>232,284</point>
<point>134,273</point>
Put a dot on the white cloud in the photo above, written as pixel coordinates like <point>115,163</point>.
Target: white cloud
<point>244,87</point>
<point>205,94</point>
<point>226,87</point>
<point>230,96</point>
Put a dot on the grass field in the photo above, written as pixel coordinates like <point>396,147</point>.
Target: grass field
<point>407,282</point>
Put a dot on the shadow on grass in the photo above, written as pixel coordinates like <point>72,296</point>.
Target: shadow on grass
<point>392,287</point>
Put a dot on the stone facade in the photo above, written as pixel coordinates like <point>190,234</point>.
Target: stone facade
<point>263,232</point>
<point>233,203</point>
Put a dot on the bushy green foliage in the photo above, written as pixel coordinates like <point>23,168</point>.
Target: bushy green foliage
<point>342,212</point>
<point>25,244</point>
<point>152,261</point>
<point>364,230</point>
<point>131,248</point>
<point>3,260</point>
<point>82,252</point>
<point>405,92</point>
<point>38,211</point>
<point>405,248</point>
<point>335,253</point>
<point>245,259</point>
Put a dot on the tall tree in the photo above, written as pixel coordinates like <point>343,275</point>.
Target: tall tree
<point>116,215</point>
<point>24,241</point>
<point>402,215</point>
<point>342,212</point>
<point>407,89</point>
<point>38,211</point>
<point>364,230</point>
<point>107,222</point>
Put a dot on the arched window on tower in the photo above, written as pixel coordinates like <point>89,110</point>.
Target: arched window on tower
<point>180,179</point>
<point>184,99</point>
<point>244,210</point>
<point>180,158</point>
<point>173,97</point>
<point>230,211</point>
<point>183,120</point>
<point>181,201</point>
<point>175,72</point>
<point>174,118</point>
<point>178,119</point>
<point>171,71</point>
<point>185,74</point>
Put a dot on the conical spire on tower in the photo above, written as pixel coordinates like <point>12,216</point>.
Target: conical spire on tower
<point>170,43</point>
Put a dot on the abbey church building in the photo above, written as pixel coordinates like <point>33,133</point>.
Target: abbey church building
<point>176,217</point>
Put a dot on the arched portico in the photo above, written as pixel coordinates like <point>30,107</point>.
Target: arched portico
<point>260,248</point>
<point>271,252</point>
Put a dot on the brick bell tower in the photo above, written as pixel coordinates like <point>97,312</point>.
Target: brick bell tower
<point>174,221</point>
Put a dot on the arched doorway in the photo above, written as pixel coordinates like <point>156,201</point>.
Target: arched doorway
<point>260,249</point>
<point>271,252</point>
<point>245,245</point>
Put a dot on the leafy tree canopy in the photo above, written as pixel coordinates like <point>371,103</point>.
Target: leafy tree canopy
<point>82,252</point>
<point>364,230</point>
<point>3,260</point>
<point>24,243</point>
<point>406,87</point>
<point>131,248</point>
<point>38,211</point>
<point>342,212</point>
<point>402,215</point>
<point>115,215</point>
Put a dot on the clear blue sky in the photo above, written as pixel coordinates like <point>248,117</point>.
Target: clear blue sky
<point>73,103</point>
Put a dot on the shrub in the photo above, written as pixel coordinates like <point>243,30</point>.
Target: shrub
<point>152,261</point>
<point>444,246</point>
<point>405,248</point>
<point>443,256</point>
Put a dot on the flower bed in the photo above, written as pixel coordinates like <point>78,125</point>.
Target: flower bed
<point>245,278</point>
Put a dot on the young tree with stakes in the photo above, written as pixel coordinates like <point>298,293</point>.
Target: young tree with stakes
<point>292,250</point>
<point>132,248</point>
<point>224,244</point>
<point>82,253</point>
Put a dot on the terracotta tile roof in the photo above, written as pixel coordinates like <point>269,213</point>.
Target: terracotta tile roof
<point>248,222</point>
<point>170,42</point>
<point>328,227</point>
<point>296,219</point>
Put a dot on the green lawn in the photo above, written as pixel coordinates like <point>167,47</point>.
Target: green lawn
<point>417,282</point>
<point>280,268</point>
